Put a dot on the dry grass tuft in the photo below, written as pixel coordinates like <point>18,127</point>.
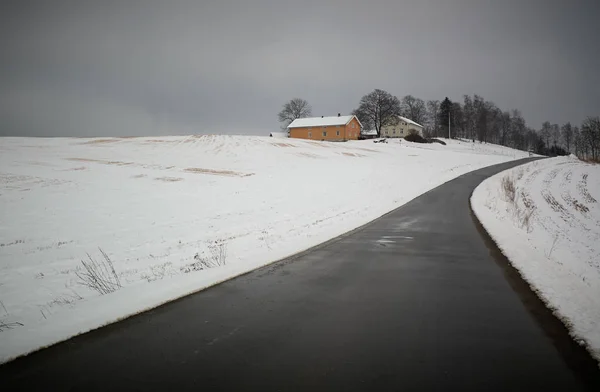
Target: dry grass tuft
<point>169,179</point>
<point>217,257</point>
<point>99,275</point>
<point>509,188</point>
<point>524,213</point>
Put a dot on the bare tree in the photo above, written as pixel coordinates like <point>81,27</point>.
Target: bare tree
<point>377,109</point>
<point>546,132</point>
<point>433,112</point>
<point>567,135</point>
<point>578,142</point>
<point>505,127</point>
<point>590,132</point>
<point>414,109</point>
<point>484,111</point>
<point>469,117</point>
<point>520,136</point>
<point>458,121</point>
<point>555,133</point>
<point>295,108</point>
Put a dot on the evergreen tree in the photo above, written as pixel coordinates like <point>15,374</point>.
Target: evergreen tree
<point>445,113</point>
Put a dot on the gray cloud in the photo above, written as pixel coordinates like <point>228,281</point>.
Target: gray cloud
<point>133,68</point>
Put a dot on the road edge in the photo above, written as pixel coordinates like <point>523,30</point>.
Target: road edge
<point>578,357</point>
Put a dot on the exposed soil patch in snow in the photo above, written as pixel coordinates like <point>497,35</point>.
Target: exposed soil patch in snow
<point>551,234</point>
<point>217,172</point>
<point>169,231</point>
<point>169,179</point>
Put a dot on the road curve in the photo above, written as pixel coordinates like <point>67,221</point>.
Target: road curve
<point>419,299</point>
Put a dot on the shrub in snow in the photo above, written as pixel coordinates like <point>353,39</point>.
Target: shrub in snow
<point>416,138</point>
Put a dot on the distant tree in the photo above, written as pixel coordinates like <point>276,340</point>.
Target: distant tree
<point>414,109</point>
<point>567,135</point>
<point>590,132</point>
<point>520,135</point>
<point>483,110</point>
<point>505,127</point>
<point>457,120</point>
<point>532,141</point>
<point>557,151</point>
<point>546,132</point>
<point>377,109</point>
<point>433,110</point>
<point>295,108</point>
<point>555,134</point>
<point>469,117</point>
<point>540,146</point>
<point>445,115</point>
<point>577,142</point>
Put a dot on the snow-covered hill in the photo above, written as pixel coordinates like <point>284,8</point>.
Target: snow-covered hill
<point>159,206</point>
<point>551,234</point>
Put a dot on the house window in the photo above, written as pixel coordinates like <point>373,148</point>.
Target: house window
<point>394,132</point>
<point>324,133</point>
<point>309,135</point>
<point>337,133</point>
<point>353,125</point>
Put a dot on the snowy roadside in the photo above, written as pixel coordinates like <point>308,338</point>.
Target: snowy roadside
<point>551,235</point>
<point>159,207</point>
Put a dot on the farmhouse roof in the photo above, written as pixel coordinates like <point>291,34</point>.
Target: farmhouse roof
<point>321,121</point>
<point>408,120</point>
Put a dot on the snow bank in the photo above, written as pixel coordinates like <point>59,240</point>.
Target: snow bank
<point>157,205</point>
<point>551,234</point>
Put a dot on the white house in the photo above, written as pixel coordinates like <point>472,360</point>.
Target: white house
<point>278,134</point>
<point>401,128</point>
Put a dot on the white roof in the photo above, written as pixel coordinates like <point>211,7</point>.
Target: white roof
<point>369,132</point>
<point>409,121</point>
<point>320,121</point>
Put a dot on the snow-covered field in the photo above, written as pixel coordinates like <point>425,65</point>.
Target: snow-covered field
<point>160,206</point>
<point>551,234</point>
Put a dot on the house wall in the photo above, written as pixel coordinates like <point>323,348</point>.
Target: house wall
<point>401,129</point>
<point>348,132</point>
<point>353,129</point>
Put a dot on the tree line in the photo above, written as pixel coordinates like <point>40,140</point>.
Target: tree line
<point>475,119</point>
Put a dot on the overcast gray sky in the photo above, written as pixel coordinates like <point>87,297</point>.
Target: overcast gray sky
<point>83,68</point>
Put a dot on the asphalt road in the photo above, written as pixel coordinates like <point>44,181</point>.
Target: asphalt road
<point>420,299</point>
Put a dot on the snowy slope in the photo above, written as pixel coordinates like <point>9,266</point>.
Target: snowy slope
<point>558,250</point>
<point>153,204</point>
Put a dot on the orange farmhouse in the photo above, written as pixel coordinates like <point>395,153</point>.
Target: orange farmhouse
<point>335,128</point>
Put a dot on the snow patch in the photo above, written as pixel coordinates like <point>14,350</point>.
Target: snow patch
<point>160,206</point>
<point>550,232</point>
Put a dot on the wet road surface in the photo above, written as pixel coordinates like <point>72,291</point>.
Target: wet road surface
<point>419,299</point>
